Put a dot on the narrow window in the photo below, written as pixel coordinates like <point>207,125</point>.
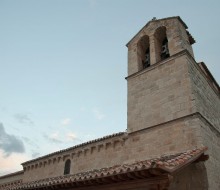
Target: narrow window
<point>67,167</point>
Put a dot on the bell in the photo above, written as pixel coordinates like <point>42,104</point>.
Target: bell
<point>146,62</point>
<point>165,50</point>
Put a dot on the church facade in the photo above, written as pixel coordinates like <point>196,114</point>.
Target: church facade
<point>173,126</point>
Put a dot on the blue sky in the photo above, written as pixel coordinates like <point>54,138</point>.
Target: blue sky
<point>63,64</point>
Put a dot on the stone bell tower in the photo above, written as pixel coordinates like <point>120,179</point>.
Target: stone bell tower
<point>171,95</point>
<point>158,86</point>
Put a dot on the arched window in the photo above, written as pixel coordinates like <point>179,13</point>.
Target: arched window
<point>143,52</point>
<point>67,167</point>
<point>161,44</point>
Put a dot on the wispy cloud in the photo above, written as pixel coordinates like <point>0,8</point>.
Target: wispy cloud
<point>35,154</point>
<point>10,143</point>
<point>71,136</point>
<point>23,119</point>
<point>98,114</point>
<point>65,121</point>
<point>53,137</point>
<point>31,142</point>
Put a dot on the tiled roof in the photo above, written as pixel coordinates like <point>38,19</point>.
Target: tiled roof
<point>77,146</point>
<point>10,185</point>
<point>12,174</point>
<point>163,164</point>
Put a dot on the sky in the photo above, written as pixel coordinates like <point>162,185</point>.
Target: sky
<point>63,65</point>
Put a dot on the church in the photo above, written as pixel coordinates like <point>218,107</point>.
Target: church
<point>172,141</point>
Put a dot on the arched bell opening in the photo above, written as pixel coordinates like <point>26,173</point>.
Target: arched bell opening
<point>161,44</point>
<point>143,52</point>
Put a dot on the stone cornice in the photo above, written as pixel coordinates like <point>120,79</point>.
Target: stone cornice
<point>209,79</point>
<point>78,150</point>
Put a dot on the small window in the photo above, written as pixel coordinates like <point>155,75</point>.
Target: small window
<point>67,167</point>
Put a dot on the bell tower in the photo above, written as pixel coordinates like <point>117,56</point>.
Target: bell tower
<point>159,39</point>
<point>173,100</point>
<point>158,89</point>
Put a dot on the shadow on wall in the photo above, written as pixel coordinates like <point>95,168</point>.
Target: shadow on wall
<point>191,178</point>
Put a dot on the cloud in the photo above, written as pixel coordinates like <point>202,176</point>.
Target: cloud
<point>54,137</point>
<point>12,163</point>
<point>23,119</point>
<point>31,142</point>
<point>10,143</point>
<point>98,114</point>
<point>66,121</point>
<point>71,136</point>
<point>35,154</point>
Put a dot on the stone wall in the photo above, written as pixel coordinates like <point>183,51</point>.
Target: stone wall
<point>172,137</point>
<point>193,177</point>
<point>206,96</point>
<point>211,138</point>
<point>207,103</point>
<point>159,93</point>
<point>86,157</point>
<point>180,39</point>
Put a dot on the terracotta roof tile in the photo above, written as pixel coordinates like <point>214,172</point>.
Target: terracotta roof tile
<point>166,164</point>
<point>12,174</point>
